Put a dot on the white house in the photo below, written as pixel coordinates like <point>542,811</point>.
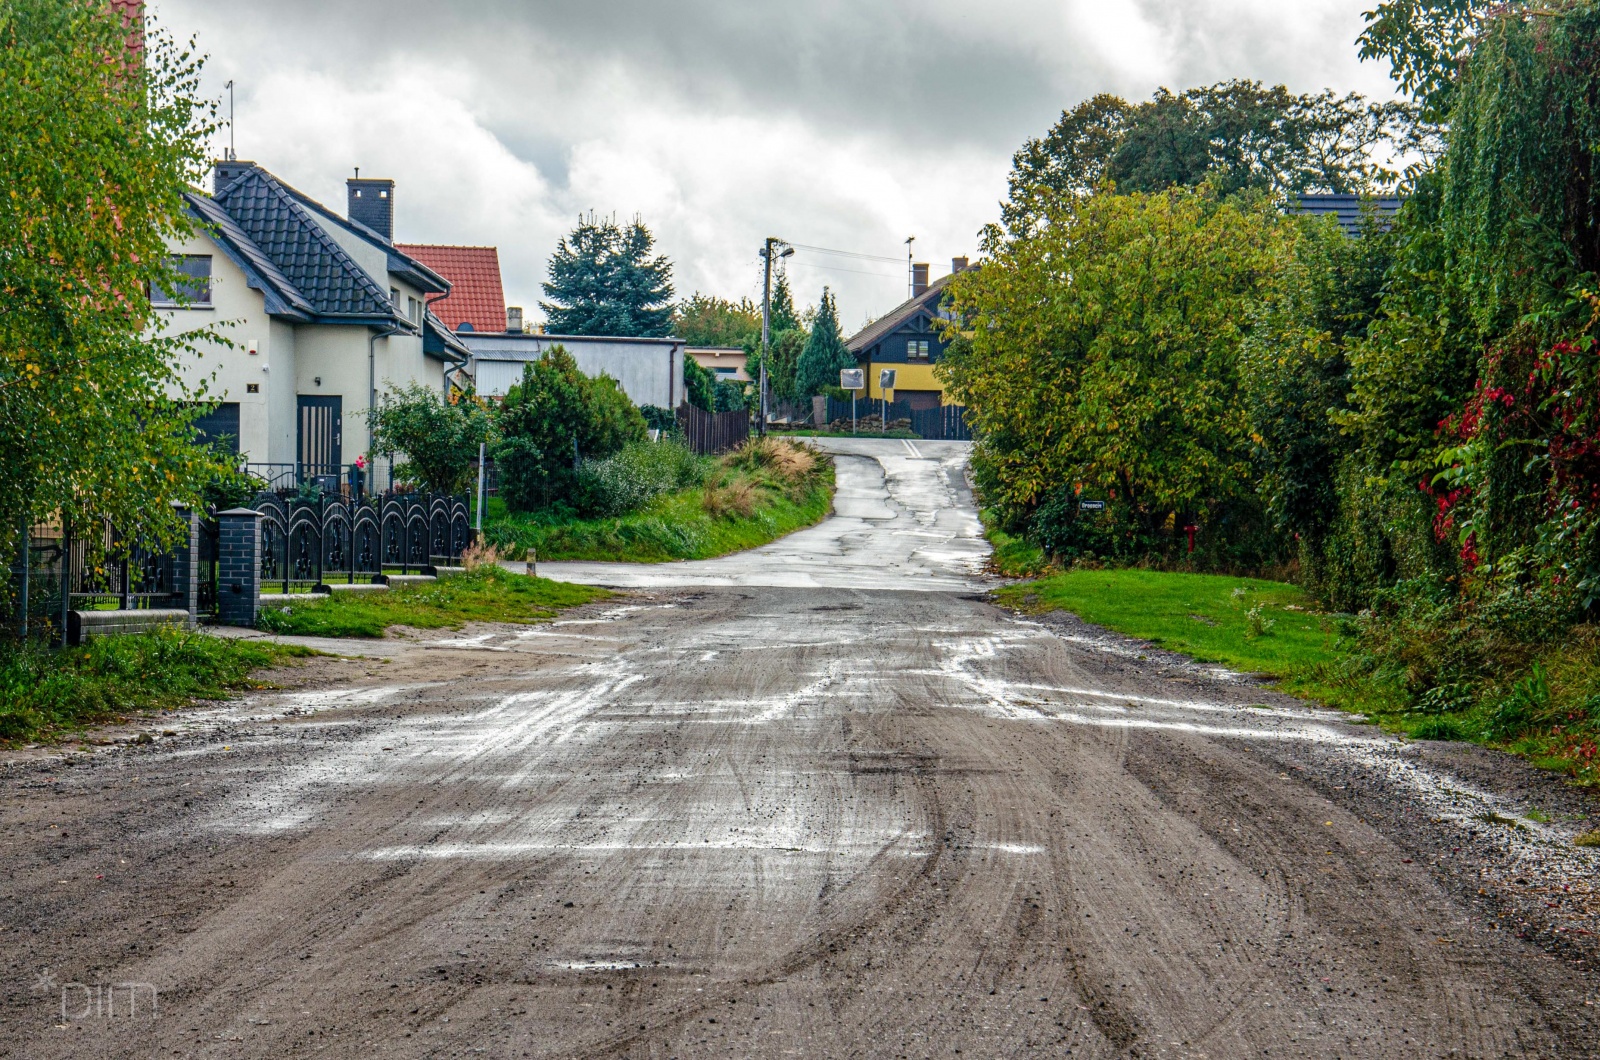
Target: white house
<point>322,316</point>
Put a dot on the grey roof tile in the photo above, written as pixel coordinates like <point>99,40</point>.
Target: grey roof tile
<point>274,219</point>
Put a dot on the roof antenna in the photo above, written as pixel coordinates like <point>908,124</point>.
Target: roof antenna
<point>233,155</point>
<point>911,269</point>
<point>358,172</point>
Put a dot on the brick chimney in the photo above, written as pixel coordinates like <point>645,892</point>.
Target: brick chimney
<point>372,204</point>
<point>958,265</point>
<point>919,279</point>
<point>226,172</point>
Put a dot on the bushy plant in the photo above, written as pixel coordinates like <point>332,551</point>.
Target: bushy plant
<point>552,421</point>
<point>631,478</point>
<point>438,438</point>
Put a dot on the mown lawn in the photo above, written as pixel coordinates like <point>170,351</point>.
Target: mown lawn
<point>750,500</point>
<point>45,693</point>
<point>485,594</point>
<point>1245,624</point>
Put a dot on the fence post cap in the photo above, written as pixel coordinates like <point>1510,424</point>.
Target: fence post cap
<point>242,512</point>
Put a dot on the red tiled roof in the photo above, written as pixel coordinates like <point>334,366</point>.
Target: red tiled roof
<point>476,296</point>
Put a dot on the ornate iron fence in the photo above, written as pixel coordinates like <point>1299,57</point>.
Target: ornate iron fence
<point>333,539</point>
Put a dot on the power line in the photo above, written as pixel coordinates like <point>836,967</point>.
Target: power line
<point>823,267</point>
<point>846,253</point>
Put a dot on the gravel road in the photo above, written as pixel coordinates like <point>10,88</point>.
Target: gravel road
<point>821,800</point>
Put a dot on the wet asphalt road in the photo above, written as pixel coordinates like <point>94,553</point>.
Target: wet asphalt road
<point>820,801</point>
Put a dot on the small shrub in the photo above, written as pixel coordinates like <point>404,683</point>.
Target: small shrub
<point>1438,729</point>
<point>635,476</point>
<point>1588,839</point>
<point>737,498</point>
<point>481,554</point>
<point>787,461</point>
<point>1257,624</point>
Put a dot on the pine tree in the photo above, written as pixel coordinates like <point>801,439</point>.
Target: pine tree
<point>604,281</point>
<point>825,354</point>
<point>784,317</point>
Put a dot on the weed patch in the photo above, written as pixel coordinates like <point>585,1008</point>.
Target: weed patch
<point>46,692</point>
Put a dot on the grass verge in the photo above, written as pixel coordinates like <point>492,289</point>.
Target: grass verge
<point>485,594</point>
<point>752,497</point>
<point>1014,557</point>
<point>45,692</point>
<point>1245,624</point>
<point>1550,717</point>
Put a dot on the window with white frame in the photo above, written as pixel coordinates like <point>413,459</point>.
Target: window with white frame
<point>190,288</point>
<point>917,350</point>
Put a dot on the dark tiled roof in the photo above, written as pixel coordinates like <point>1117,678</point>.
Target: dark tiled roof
<point>311,260</point>
<point>261,273</point>
<point>476,295</point>
<point>1347,209</point>
<point>926,302</point>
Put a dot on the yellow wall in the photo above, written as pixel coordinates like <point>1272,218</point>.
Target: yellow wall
<point>907,377</point>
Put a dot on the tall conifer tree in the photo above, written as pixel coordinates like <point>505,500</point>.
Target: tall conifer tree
<point>605,281</point>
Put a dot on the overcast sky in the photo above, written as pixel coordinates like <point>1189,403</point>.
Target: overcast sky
<point>844,124</point>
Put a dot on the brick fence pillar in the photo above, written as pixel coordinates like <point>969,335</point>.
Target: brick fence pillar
<point>185,560</point>
<point>239,567</point>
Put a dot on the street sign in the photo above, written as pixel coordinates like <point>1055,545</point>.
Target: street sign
<point>853,379</point>
<point>1091,506</point>
<point>886,379</point>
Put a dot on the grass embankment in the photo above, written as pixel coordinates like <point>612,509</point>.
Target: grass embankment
<point>1549,715</point>
<point>487,593</point>
<point>45,693</point>
<point>751,497</point>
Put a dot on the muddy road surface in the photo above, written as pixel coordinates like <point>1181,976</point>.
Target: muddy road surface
<point>797,819</point>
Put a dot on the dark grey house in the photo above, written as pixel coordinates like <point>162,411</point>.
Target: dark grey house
<point>908,339</point>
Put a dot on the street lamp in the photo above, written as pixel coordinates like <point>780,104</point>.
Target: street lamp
<point>772,244</point>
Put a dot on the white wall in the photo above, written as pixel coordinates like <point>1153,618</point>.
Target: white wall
<point>238,314</point>
<point>649,370</point>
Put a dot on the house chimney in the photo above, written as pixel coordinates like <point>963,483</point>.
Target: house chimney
<point>919,279</point>
<point>514,319</point>
<point>958,265</point>
<point>372,204</point>
<point>226,172</point>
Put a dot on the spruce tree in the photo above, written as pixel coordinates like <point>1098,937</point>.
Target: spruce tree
<point>825,354</point>
<point>604,281</point>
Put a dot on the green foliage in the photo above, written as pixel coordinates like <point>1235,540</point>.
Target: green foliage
<point>1236,135</point>
<point>728,396</point>
<point>1295,370</point>
<point>604,281</point>
<point>1103,357</point>
<point>706,320</point>
<point>744,503</point>
<point>45,692</point>
<point>824,353</point>
<point>699,385</point>
<point>96,151</point>
<point>438,438</point>
<point>488,593</point>
<point>633,477</point>
<point>1424,42</point>
<point>551,421</point>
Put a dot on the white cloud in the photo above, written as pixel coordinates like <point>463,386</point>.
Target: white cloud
<point>827,123</point>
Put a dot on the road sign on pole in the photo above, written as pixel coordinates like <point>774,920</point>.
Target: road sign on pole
<point>855,381</point>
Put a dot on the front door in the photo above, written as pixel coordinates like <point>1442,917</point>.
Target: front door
<point>321,438</point>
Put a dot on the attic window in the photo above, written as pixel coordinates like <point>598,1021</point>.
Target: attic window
<point>383,195</point>
<point>191,289</point>
<point>917,350</point>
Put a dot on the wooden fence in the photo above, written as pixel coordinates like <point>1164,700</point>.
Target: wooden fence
<point>712,433</point>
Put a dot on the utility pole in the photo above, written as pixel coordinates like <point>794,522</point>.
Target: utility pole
<point>767,249</point>
<point>911,268</point>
